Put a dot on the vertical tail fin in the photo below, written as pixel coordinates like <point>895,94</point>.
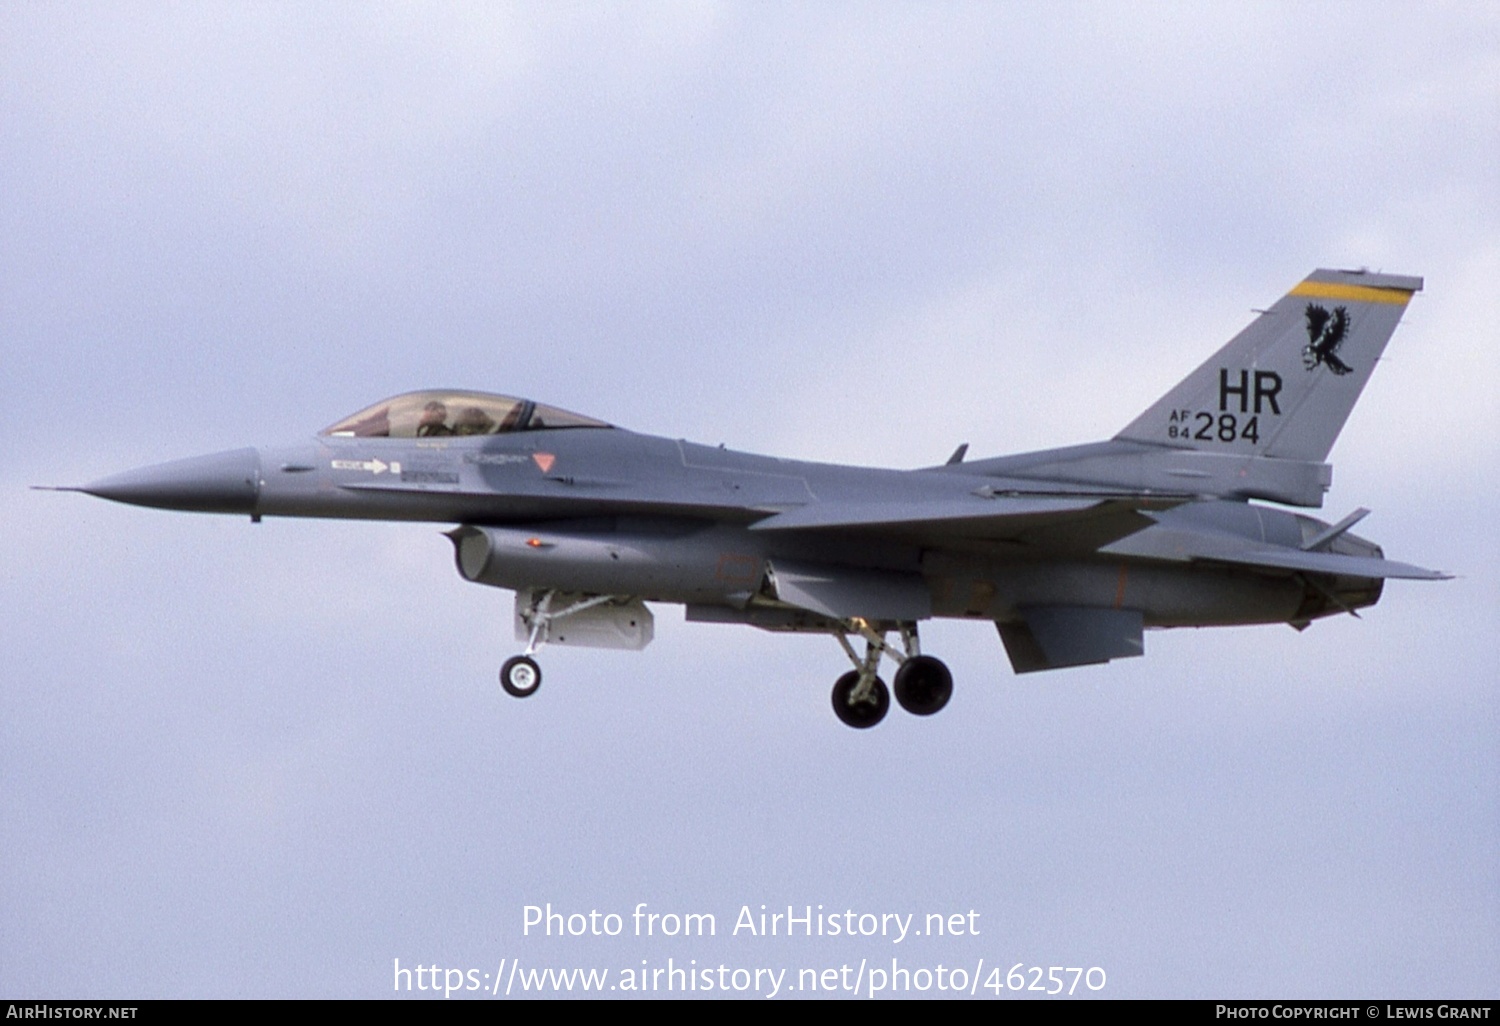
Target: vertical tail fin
<point>1285,385</point>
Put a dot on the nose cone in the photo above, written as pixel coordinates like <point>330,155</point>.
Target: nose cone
<point>226,482</point>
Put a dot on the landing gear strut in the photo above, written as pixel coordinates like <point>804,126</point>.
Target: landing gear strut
<point>520,675</point>
<point>860,699</point>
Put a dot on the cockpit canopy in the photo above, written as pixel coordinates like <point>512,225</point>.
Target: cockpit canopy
<point>441,414</point>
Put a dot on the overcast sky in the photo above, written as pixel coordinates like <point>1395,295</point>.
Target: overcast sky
<point>269,760</point>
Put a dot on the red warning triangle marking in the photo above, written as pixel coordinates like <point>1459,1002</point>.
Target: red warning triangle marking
<point>544,460</point>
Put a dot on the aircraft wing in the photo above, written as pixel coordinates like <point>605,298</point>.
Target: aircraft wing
<point>1079,522</point>
<point>915,513</point>
<point>1210,546</point>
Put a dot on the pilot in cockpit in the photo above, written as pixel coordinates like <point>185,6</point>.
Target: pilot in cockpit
<point>434,421</point>
<point>473,421</point>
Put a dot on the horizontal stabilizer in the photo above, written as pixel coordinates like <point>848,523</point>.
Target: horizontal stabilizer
<point>1055,637</point>
<point>1282,558</point>
<point>841,592</point>
<point>1184,546</point>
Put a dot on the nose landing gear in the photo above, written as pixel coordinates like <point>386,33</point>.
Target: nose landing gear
<point>537,612</point>
<point>520,676</point>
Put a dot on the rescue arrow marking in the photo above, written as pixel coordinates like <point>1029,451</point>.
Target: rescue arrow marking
<point>373,466</point>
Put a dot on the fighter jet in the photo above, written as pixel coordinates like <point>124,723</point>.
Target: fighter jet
<point>1072,553</point>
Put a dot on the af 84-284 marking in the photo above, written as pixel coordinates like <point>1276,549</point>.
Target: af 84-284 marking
<point>1223,425</point>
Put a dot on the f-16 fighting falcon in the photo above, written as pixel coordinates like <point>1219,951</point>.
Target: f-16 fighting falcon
<point>1072,553</point>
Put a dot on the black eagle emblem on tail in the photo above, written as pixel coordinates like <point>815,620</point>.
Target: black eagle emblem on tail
<point>1325,333</point>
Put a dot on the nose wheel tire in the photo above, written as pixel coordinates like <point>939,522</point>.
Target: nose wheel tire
<point>864,712</point>
<point>520,676</point>
<point>923,685</point>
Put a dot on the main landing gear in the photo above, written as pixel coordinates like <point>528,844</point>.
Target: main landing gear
<point>860,699</point>
<point>922,685</point>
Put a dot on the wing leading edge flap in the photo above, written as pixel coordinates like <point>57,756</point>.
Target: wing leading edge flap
<point>1055,637</point>
<point>909,514</point>
<point>1184,546</point>
<point>841,592</point>
<point>1096,519</point>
